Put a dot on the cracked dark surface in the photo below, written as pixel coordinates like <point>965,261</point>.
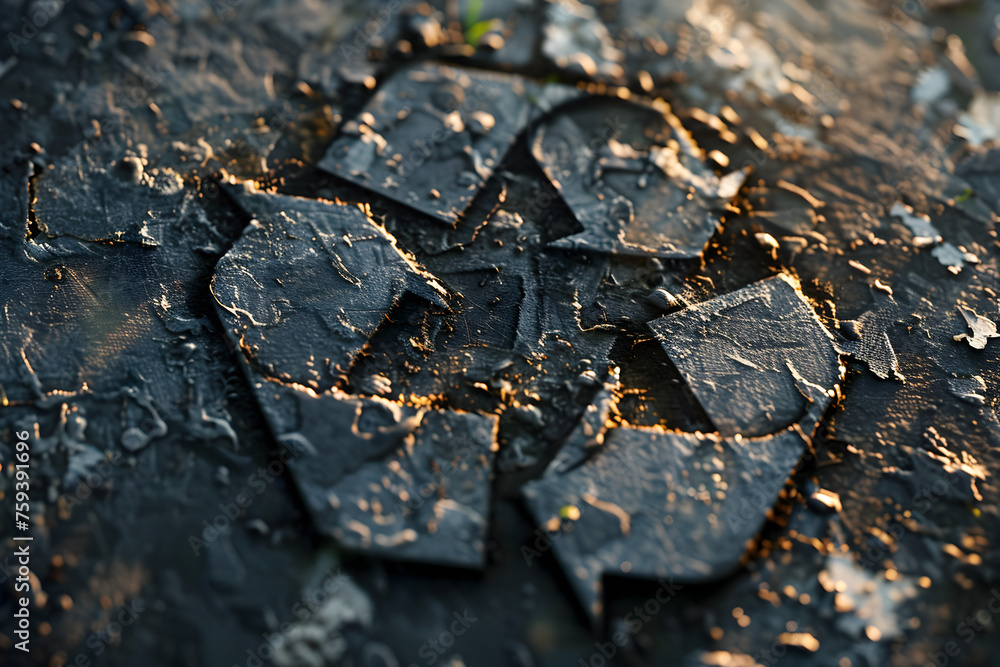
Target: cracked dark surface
<point>512,308</point>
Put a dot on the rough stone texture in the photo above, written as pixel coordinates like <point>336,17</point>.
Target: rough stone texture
<point>661,505</point>
<point>634,179</point>
<point>431,137</point>
<point>756,359</point>
<point>308,283</point>
<point>388,480</point>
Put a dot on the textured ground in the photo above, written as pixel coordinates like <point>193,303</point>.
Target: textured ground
<point>502,333</point>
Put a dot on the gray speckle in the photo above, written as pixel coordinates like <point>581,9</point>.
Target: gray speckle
<point>952,257</point>
<point>971,390</point>
<point>924,232</point>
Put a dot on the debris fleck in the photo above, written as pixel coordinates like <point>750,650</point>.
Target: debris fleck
<point>982,328</point>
